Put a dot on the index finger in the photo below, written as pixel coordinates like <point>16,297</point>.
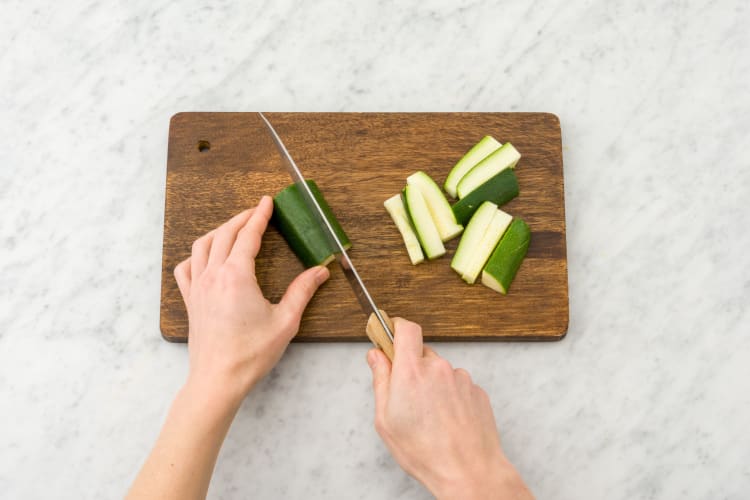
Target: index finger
<point>407,340</point>
<point>247,244</point>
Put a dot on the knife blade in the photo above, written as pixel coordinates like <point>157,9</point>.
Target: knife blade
<point>379,326</point>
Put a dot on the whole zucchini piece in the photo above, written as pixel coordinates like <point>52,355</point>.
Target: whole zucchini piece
<point>300,228</point>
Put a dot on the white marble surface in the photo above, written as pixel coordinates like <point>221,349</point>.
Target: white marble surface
<point>647,397</point>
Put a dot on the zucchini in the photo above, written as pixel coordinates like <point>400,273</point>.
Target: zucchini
<point>505,157</point>
<point>300,228</point>
<point>479,152</point>
<point>395,207</point>
<point>504,262</point>
<point>500,189</point>
<point>472,238</point>
<point>439,207</point>
<point>499,223</point>
<point>421,219</point>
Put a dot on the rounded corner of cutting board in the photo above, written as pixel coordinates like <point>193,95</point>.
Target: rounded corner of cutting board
<point>168,332</point>
<point>562,332</point>
<point>558,336</point>
<point>554,118</point>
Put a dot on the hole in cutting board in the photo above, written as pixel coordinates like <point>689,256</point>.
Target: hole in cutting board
<point>204,146</point>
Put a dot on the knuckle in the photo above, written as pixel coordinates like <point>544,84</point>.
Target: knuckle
<point>196,245</point>
<point>480,393</point>
<point>244,232</point>
<point>410,327</point>
<point>380,425</point>
<point>200,243</point>
<point>289,323</point>
<point>249,229</point>
<point>223,232</point>
<point>461,373</point>
<point>307,288</point>
<point>300,292</point>
<point>442,366</point>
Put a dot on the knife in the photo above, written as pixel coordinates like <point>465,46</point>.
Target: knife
<point>379,326</point>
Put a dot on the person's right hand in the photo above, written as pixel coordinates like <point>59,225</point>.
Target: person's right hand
<point>437,423</point>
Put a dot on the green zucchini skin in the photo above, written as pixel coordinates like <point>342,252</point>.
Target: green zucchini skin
<point>504,262</point>
<point>505,157</point>
<point>499,189</point>
<point>479,152</point>
<point>437,204</point>
<point>300,228</point>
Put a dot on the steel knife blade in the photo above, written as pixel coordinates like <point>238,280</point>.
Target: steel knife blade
<point>342,257</point>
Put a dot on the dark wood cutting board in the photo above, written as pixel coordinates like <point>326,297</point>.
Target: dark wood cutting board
<point>221,163</point>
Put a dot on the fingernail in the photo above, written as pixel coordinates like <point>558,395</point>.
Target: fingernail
<point>322,275</point>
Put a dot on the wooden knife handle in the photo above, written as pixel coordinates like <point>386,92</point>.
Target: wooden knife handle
<point>377,334</point>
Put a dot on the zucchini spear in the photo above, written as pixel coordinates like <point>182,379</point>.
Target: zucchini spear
<point>479,152</point>
<point>395,207</point>
<point>420,216</point>
<point>441,212</point>
<point>481,235</point>
<point>500,189</point>
<point>505,157</point>
<point>504,262</point>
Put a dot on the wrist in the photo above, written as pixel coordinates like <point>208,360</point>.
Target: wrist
<point>498,479</point>
<point>222,399</point>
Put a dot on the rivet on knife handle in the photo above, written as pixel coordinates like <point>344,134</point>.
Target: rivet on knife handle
<point>378,335</point>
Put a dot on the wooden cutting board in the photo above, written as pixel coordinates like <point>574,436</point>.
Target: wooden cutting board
<point>221,163</point>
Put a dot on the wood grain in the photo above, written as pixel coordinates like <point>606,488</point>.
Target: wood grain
<point>358,160</point>
<point>378,335</point>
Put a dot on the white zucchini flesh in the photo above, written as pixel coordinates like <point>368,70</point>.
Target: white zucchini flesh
<point>438,205</point>
<point>421,219</point>
<point>505,157</point>
<point>472,237</point>
<point>395,207</point>
<point>499,223</point>
<point>479,152</point>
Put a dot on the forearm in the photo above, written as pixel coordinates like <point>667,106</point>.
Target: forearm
<point>183,458</point>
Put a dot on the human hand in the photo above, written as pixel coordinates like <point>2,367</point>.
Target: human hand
<point>236,335</point>
<point>437,423</point>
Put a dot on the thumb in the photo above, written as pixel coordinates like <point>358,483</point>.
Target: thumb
<point>300,291</point>
<point>381,379</point>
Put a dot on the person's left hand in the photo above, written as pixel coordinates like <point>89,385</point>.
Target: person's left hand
<point>236,336</point>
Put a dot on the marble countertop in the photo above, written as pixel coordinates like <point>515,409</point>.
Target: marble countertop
<point>647,397</point>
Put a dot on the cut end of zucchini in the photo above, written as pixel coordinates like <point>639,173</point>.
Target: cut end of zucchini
<point>332,257</point>
<point>505,157</point>
<point>489,281</point>
<point>440,209</point>
<point>480,151</point>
